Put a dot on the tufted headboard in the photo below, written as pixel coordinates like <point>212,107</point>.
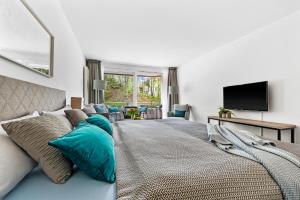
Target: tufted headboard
<point>19,98</point>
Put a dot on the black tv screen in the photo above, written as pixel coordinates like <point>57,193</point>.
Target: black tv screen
<point>252,96</point>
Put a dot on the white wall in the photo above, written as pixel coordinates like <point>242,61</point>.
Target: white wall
<point>68,57</point>
<point>134,69</point>
<point>271,53</point>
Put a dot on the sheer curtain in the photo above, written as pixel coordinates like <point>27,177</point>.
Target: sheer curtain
<point>95,72</point>
<point>172,81</point>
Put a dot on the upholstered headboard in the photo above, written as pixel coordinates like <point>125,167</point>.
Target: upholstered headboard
<point>19,98</point>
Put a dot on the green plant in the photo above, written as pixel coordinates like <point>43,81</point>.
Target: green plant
<point>223,110</point>
<point>132,111</point>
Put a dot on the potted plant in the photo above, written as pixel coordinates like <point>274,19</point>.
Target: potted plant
<point>229,113</point>
<point>225,113</point>
<point>222,111</point>
<point>132,112</point>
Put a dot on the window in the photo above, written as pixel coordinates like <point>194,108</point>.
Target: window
<point>127,89</point>
<point>149,90</point>
<point>119,90</point>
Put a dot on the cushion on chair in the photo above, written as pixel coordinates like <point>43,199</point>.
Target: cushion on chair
<point>180,113</point>
<point>101,108</point>
<point>143,109</point>
<point>113,109</point>
<point>180,110</point>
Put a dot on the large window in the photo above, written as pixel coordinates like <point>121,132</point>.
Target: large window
<point>149,90</point>
<point>123,89</point>
<point>119,90</point>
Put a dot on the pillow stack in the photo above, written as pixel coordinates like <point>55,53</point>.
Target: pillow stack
<point>33,134</point>
<point>52,142</point>
<point>91,147</point>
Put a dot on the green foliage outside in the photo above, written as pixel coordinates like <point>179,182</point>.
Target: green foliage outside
<point>119,91</point>
<point>149,90</point>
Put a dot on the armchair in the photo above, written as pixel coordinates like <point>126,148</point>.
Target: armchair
<point>180,110</point>
<point>112,113</point>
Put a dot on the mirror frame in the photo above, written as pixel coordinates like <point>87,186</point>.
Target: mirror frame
<point>51,42</point>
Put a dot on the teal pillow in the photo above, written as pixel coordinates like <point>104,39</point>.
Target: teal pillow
<point>101,122</point>
<point>91,149</point>
<point>143,109</point>
<point>180,113</point>
<point>113,109</point>
<point>100,108</point>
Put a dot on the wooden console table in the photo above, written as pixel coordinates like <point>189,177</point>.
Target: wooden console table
<point>261,124</point>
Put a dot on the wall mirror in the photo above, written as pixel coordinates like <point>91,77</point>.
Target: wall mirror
<point>24,39</point>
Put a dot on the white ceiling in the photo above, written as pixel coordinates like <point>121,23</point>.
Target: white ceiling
<point>166,32</point>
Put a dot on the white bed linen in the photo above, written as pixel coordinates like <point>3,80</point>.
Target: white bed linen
<point>37,186</point>
<point>14,162</point>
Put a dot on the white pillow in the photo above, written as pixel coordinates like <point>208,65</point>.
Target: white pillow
<point>15,164</point>
<point>58,112</point>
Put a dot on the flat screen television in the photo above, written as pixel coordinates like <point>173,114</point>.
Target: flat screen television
<point>252,96</point>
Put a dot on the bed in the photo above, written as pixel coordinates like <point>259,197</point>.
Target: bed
<point>156,159</point>
<point>173,159</point>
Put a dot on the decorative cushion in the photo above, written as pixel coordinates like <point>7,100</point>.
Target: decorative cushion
<point>15,164</point>
<point>62,118</point>
<point>100,108</point>
<point>179,113</point>
<point>113,109</point>
<point>101,122</point>
<point>91,149</point>
<point>143,109</point>
<point>89,110</point>
<point>58,112</point>
<point>33,135</point>
<point>75,116</point>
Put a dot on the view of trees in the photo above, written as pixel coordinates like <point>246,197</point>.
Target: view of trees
<point>149,90</point>
<point>119,90</point>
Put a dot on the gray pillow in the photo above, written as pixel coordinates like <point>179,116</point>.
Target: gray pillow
<point>62,118</point>
<point>75,116</point>
<point>89,110</point>
<point>33,135</point>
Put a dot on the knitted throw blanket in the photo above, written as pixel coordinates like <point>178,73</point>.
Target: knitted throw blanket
<point>283,166</point>
<point>162,160</point>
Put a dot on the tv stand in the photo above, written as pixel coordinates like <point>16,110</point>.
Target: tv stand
<point>258,123</point>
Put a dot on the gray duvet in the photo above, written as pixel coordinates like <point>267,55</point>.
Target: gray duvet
<point>172,159</point>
